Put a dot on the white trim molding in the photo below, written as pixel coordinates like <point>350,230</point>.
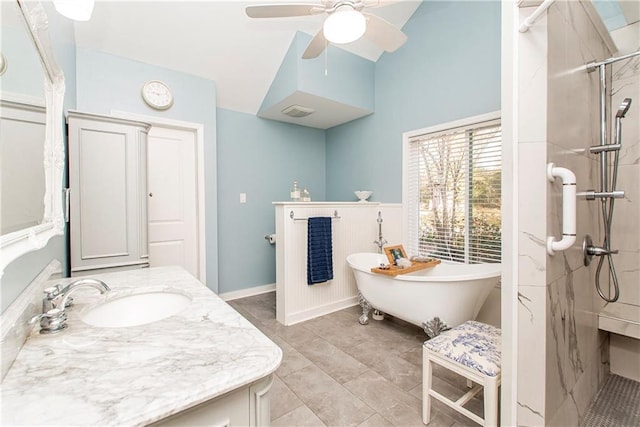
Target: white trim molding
<point>312,313</point>
<point>249,292</point>
<point>509,309</point>
<point>198,129</point>
<point>406,137</point>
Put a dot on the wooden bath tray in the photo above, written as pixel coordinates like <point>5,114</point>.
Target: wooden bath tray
<point>415,266</point>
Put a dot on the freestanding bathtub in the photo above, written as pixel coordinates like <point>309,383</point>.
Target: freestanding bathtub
<point>454,292</point>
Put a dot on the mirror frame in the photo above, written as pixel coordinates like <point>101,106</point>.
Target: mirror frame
<point>15,244</point>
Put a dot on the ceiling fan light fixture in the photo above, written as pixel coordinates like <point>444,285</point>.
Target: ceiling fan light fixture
<point>345,25</point>
<point>78,10</point>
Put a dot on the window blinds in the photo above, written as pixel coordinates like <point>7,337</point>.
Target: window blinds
<point>454,181</point>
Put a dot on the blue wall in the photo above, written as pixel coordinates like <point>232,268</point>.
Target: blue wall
<point>260,158</point>
<point>349,78</point>
<point>24,74</point>
<point>448,69</point>
<point>285,81</point>
<point>107,82</point>
<point>18,274</point>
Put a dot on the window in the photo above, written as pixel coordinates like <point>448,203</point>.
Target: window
<point>452,190</point>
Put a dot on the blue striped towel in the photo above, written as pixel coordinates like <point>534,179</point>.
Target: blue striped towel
<point>319,250</point>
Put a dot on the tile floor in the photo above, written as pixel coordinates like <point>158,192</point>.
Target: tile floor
<point>616,404</point>
<point>336,372</point>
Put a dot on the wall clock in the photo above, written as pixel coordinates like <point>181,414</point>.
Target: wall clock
<point>3,64</point>
<point>157,95</point>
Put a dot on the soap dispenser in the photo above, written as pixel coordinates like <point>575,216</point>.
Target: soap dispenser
<point>306,197</point>
<point>295,193</point>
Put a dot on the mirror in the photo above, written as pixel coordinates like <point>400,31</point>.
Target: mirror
<point>22,126</point>
<point>31,147</point>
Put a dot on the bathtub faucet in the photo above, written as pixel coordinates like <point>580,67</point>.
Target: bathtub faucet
<point>381,240</point>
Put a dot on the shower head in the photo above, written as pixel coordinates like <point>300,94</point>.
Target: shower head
<point>624,107</point>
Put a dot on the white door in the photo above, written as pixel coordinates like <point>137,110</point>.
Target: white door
<point>172,197</point>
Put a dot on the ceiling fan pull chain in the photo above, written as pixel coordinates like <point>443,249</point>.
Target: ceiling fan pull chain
<point>346,22</point>
<point>326,58</point>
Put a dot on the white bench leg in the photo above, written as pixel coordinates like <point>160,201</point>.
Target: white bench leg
<point>426,386</point>
<point>432,353</point>
<point>491,397</point>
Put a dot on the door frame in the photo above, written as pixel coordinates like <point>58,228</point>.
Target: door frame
<point>198,129</point>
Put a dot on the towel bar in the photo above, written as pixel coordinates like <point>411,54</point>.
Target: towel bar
<point>293,217</point>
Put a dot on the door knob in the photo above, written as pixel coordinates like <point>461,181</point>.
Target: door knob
<point>150,194</point>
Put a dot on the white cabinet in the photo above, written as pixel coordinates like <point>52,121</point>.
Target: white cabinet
<point>246,406</point>
<point>108,182</point>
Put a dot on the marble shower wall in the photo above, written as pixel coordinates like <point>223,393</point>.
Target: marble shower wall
<point>626,219</point>
<point>575,366</point>
<point>560,357</point>
<point>532,231</point>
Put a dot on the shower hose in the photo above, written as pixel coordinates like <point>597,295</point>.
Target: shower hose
<point>607,216</point>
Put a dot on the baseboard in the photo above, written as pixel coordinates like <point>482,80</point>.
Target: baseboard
<point>249,292</point>
<point>312,313</point>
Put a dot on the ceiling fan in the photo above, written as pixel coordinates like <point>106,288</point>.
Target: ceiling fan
<point>346,23</point>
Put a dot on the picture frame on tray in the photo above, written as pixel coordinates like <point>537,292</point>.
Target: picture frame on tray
<point>394,252</point>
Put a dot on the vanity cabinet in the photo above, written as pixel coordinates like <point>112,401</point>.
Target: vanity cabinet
<point>108,183</point>
<point>246,406</point>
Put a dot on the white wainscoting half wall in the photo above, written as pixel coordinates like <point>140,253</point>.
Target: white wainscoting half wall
<point>354,231</point>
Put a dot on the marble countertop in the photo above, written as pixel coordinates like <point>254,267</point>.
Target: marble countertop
<point>135,375</point>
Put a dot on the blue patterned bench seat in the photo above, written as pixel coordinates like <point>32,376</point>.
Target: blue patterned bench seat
<point>472,344</point>
<point>472,350</point>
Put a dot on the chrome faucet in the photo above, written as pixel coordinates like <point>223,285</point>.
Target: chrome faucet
<point>57,299</point>
<point>381,240</point>
<point>71,287</point>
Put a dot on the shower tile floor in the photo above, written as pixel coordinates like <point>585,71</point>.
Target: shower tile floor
<point>616,405</point>
<point>336,372</point>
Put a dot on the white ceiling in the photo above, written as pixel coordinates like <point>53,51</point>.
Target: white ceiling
<point>213,39</point>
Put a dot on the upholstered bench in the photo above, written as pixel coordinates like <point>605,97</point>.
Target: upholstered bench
<point>472,350</point>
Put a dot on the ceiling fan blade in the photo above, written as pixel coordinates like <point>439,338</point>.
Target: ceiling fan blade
<point>316,46</point>
<point>379,3</point>
<point>386,36</point>
<point>283,10</point>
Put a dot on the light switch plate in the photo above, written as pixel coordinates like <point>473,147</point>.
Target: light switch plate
<point>243,197</point>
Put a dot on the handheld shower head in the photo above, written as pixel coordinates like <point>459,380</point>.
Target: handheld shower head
<point>624,107</point>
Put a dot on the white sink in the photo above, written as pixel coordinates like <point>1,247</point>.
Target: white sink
<point>138,309</point>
